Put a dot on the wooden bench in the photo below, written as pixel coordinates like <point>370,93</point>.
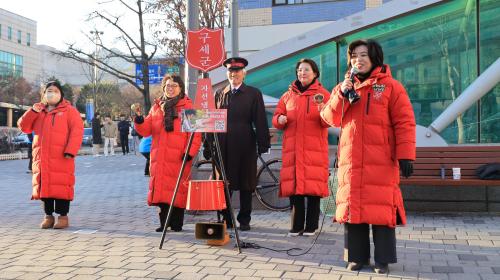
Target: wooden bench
<point>467,194</point>
<point>427,167</point>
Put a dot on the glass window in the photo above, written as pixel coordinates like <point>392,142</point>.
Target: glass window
<point>273,80</point>
<point>437,66</point>
<point>11,64</point>
<point>9,33</point>
<point>19,36</point>
<point>28,39</point>
<point>489,52</point>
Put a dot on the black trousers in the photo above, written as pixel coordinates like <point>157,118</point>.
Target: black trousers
<point>176,218</point>
<point>30,156</point>
<point>357,243</point>
<point>299,215</point>
<point>61,206</point>
<point>244,216</point>
<point>146,168</point>
<point>124,143</point>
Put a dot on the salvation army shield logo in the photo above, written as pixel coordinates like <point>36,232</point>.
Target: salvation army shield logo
<point>205,49</point>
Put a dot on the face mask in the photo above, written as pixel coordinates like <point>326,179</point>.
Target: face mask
<point>52,98</point>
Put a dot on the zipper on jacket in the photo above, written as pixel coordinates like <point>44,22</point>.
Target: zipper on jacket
<point>53,117</point>
<point>368,104</point>
<point>308,104</point>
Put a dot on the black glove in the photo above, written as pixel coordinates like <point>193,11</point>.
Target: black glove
<point>138,119</point>
<point>406,167</point>
<point>188,157</point>
<point>207,154</point>
<point>262,150</point>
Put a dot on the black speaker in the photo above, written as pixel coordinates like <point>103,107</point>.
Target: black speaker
<point>210,231</point>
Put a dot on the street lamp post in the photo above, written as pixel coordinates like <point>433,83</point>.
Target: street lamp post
<point>96,33</point>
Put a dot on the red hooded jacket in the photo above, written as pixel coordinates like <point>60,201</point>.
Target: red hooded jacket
<point>305,142</point>
<point>57,133</point>
<point>167,149</point>
<point>376,132</point>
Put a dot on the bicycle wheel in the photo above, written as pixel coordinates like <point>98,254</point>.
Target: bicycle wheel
<point>268,186</point>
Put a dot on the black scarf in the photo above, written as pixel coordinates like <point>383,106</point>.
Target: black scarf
<point>170,113</point>
<point>302,88</point>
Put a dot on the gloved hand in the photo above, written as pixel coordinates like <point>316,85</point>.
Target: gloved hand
<point>188,157</point>
<point>406,167</point>
<point>207,154</point>
<point>263,150</point>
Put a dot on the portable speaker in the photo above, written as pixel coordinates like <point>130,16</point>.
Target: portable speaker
<point>210,231</point>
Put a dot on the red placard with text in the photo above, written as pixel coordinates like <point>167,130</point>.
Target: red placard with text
<point>205,49</point>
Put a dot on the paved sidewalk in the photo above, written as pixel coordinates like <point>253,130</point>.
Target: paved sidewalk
<point>112,237</point>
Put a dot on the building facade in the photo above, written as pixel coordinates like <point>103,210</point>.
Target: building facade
<point>18,53</point>
<point>263,23</point>
<point>436,49</point>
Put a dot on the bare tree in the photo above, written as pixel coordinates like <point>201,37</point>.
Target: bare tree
<point>139,51</point>
<point>170,30</point>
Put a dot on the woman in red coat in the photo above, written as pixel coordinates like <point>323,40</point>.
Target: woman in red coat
<point>167,150</point>
<point>377,139</point>
<point>58,130</point>
<point>304,172</point>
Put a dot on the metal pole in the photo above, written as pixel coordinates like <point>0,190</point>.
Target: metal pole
<point>481,86</point>
<point>226,189</point>
<point>193,23</point>
<point>190,141</point>
<point>234,29</point>
<point>94,74</point>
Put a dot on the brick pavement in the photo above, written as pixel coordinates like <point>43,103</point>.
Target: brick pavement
<point>112,237</point>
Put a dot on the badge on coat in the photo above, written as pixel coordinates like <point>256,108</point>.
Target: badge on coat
<point>378,91</point>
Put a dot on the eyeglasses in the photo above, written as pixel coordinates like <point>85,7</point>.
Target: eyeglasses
<point>171,86</point>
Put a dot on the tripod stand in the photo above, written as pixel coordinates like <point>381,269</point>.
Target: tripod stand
<point>226,189</point>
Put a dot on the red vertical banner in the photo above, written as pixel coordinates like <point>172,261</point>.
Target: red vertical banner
<point>204,97</point>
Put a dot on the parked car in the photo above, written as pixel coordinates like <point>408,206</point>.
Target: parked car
<point>87,137</point>
<point>21,141</point>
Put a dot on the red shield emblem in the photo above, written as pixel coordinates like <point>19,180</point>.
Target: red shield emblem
<point>205,49</point>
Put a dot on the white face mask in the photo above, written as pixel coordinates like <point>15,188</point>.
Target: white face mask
<point>52,97</point>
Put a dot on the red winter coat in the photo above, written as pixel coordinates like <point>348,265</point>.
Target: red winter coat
<point>376,132</point>
<point>57,132</point>
<point>167,149</point>
<point>305,142</point>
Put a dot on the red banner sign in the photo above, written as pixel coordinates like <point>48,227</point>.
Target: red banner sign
<point>205,49</point>
<point>204,97</point>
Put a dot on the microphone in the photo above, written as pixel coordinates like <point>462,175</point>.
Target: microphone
<point>354,71</point>
<point>351,94</point>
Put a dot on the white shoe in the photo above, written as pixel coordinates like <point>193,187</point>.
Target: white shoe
<point>294,233</point>
<point>309,233</point>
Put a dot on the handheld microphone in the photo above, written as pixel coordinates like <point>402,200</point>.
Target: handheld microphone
<point>351,94</point>
<point>354,71</point>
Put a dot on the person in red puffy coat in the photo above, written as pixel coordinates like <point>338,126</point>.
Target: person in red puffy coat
<point>168,149</point>
<point>304,172</point>
<point>377,140</point>
<point>58,130</point>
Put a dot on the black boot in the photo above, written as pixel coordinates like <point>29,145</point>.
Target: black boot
<point>163,217</point>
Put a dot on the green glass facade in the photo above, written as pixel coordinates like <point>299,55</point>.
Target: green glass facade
<point>434,52</point>
<point>11,64</point>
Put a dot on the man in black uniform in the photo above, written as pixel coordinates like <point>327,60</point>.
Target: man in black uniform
<point>241,143</point>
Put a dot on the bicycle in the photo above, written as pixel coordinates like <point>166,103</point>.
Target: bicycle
<point>268,184</point>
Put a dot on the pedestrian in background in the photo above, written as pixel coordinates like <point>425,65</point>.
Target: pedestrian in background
<point>110,134</point>
<point>377,140</point>
<point>168,150</point>
<point>124,128</point>
<point>96,134</point>
<point>304,172</point>
<point>30,152</point>
<point>145,150</point>
<point>58,130</point>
